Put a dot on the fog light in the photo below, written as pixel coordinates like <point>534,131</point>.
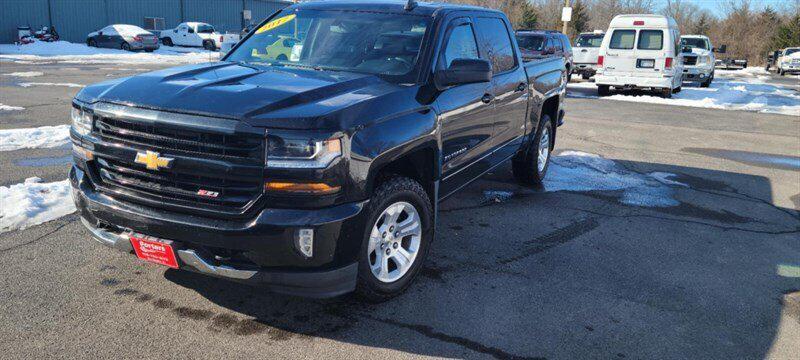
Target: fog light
<point>304,241</point>
<point>702,75</point>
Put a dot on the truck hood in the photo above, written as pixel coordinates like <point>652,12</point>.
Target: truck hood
<point>269,96</point>
<point>700,52</point>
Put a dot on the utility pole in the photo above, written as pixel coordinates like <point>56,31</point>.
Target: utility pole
<point>564,29</point>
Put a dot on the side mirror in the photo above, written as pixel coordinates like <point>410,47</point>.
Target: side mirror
<point>721,49</point>
<point>99,33</point>
<point>464,71</point>
<point>686,49</point>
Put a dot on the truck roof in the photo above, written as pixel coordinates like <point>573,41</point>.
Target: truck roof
<point>394,6</point>
<point>650,20</point>
<point>694,36</point>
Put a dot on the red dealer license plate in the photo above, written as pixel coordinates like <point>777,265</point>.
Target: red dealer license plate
<point>154,250</point>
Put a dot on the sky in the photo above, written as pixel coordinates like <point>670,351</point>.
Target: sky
<point>717,7</point>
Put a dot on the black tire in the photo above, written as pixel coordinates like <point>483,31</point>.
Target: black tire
<point>677,89</point>
<point>149,50</point>
<point>125,46</point>
<point>526,168</point>
<point>91,43</point>
<point>586,76</point>
<point>391,190</point>
<point>167,41</point>
<point>209,45</point>
<point>666,93</point>
<point>603,90</point>
<point>781,72</point>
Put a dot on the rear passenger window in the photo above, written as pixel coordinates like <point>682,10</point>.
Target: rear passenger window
<point>496,38</point>
<point>557,44</point>
<point>622,39</point>
<point>651,40</point>
<point>461,45</point>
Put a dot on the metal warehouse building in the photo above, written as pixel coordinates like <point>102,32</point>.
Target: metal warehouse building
<point>73,19</point>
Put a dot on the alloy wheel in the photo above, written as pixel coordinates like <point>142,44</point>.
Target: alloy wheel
<point>544,149</point>
<point>394,242</point>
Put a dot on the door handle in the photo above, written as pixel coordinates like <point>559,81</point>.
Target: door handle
<point>521,87</point>
<point>487,98</point>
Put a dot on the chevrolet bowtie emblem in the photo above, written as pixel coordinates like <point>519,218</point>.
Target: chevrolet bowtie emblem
<point>152,161</point>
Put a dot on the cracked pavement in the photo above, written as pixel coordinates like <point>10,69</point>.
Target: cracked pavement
<point>528,275</point>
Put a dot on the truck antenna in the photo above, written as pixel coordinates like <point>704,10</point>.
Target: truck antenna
<point>410,5</point>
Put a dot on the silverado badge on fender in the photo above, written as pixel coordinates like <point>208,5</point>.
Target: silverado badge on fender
<point>153,161</point>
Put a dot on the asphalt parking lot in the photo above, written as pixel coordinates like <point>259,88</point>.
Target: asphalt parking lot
<point>515,272</point>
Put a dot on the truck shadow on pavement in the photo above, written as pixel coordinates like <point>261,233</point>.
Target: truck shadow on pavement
<point>518,272</point>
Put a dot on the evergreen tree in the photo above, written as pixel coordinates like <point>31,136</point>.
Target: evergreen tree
<point>702,25</point>
<point>788,34</point>
<point>580,17</point>
<point>530,17</point>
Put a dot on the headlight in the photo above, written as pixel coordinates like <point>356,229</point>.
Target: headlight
<point>301,153</point>
<point>81,120</point>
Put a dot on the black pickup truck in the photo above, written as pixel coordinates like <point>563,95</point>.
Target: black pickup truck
<point>313,166</point>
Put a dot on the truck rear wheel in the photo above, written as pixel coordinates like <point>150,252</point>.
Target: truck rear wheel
<point>396,240</point>
<point>666,93</point>
<point>532,169</point>
<point>603,90</point>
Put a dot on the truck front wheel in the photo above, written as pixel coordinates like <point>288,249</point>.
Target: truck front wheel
<point>603,90</point>
<point>399,229</point>
<point>533,167</point>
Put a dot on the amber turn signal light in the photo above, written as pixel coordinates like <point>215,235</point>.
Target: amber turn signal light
<point>300,188</point>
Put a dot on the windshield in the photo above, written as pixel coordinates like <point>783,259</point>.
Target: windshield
<point>205,28</point>
<point>590,41</point>
<point>530,42</point>
<point>695,43</point>
<point>367,42</point>
<point>791,51</point>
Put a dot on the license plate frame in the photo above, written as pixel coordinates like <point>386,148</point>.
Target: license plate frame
<point>645,63</point>
<point>154,250</point>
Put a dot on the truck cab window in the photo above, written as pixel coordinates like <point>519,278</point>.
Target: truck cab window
<point>498,41</point>
<point>461,45</point>
<point>622,39</point>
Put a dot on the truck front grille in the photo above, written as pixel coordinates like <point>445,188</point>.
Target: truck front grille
<point>217,170</point>
<point>690,60</point>
<point>184,140</point>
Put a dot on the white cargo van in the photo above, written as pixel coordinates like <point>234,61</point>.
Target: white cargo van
<point>640,52</point>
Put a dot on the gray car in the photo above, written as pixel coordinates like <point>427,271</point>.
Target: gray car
<point>122,36</point>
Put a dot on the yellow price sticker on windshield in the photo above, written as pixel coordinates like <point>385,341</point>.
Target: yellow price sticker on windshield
<point>275,23</point>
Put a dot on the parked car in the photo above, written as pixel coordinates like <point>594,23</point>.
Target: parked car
<point>640,52</point>
<point>586,50</point>
<point>698,59</point>
<point>320,175</point>
<point>789,61</point>
<point>123,36</point>
<point>772,60</point>
<point>195,34</point>
<point>229,40</point>
<point>535,44</point>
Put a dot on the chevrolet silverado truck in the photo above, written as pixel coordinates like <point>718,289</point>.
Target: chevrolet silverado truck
<point>320,175</point>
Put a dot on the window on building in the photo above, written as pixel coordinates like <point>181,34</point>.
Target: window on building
<point>154,23</point>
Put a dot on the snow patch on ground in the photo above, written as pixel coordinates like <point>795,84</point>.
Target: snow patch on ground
<point>581,172</point>
<point>10,108</point>
<point>31,138</point>
<point>67,52</point>
<point>33,202</point>
<point>25,74</point>
<point>29,84</point>
<point>746,89</point>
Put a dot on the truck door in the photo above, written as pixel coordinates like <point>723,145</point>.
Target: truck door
<point>181,35</point>
<point>509,86</point>
<point>466,111</point>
